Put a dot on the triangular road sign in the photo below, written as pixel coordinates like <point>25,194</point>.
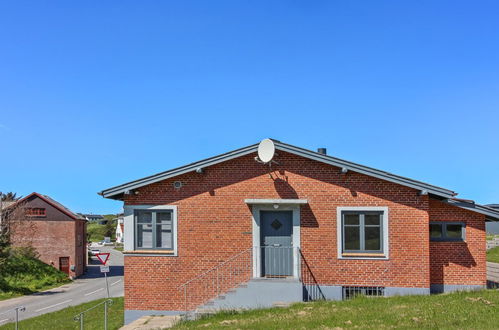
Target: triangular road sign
<point>103,257</point>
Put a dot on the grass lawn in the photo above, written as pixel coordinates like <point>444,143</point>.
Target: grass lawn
<point>96,232</point>
<point>63,319</point>
<point>470,310</point>
<point>119,248</point>
<point>493,255</point>
<point>21,275</point>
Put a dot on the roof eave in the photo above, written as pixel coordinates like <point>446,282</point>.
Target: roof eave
<point>118,191</point>
<point>491,214</point>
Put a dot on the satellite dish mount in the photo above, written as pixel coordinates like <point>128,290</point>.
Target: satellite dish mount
<point>266,152</point>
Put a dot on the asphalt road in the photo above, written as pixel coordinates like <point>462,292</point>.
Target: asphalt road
<point>89,287</point>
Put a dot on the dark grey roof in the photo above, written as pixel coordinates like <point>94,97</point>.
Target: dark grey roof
<point>441,193</point>
<point>56,203</point>
<point>491,213</point>
<point>493,206</point>
<point>116,191</point>
<point>96,216</point>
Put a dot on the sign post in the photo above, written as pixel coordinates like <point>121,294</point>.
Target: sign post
<point>103,258</point>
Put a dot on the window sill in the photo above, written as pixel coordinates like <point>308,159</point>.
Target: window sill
<point>150,252</point>
<point>363,256</point>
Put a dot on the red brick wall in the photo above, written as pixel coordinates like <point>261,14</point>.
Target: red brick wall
<point>53,236</point>
<point>461,263</point>
<point>214,223</point>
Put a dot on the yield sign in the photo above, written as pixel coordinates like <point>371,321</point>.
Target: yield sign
<point>103,257</point>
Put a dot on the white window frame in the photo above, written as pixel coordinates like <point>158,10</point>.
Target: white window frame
<point>385,227</point>
<point>129,230</point>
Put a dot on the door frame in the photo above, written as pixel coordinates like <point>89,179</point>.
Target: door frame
<point>69,265</point>
<point>255,210</point>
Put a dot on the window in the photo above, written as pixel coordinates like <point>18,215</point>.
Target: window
<point>350,292</point>
<point>447,231</point>
<point>154,229</point>
<point>362,232</point>
<point>36,212</point>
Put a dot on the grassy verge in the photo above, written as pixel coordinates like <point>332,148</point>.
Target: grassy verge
<point>491,236</point>
<point>493,255</point>
<point>24,274</point>
<point>63,319</point>
<point>470,310</point>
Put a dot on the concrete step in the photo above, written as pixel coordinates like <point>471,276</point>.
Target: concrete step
<point>258,293</point>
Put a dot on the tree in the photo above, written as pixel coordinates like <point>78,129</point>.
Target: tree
<point>12,217</point>
<point>9,197</point>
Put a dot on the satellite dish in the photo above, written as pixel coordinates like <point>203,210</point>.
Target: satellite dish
<point>266,150</point>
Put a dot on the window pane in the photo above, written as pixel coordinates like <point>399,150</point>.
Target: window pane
<point>435,231</point>
<point>144,217</point>
<point>454,231</point>
<point>164,236</point>
<point>163,217</point>
<point>372,219</point>
<point>351,219</point>
<point>352,238</point>
<point>373,238</point>
<point>144,235</point>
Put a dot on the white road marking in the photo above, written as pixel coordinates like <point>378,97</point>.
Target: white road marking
<point>44,308</point>
<point>118,281</point>
<point>1,321</point>
<point>88,294</point>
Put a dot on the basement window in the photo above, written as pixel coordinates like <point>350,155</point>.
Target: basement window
<point>447,231</point>
<point>350,292</point>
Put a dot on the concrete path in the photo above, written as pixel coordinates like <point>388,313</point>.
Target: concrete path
<point>152,323</point>
<point>89,287</point>
<point>493,272</point>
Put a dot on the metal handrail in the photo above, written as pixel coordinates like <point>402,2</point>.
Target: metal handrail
<point>309,281</point>
<point>215,268</point>
<point>80,316</point>
<point>17,310</point>
<point>217,280</point>
<point>239,269</point>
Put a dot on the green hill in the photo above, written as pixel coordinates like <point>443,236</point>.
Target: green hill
<point>22,273</point>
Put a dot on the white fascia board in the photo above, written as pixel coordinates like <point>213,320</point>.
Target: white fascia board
<point>286,148</point>
<point>178,171</point>
<point>366,170</point>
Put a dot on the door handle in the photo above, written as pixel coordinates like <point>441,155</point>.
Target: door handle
<point>276,245</point>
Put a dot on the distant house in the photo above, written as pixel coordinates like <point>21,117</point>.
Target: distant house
<point>95,218</point>
<point>232,232</point>
<point>56,233</point>
<point>120,230</point>
<point>492,227</point>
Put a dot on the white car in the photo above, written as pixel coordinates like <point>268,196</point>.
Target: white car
<point>94,252</point>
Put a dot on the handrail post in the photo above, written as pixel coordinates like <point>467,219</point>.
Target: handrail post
<point>17,318</point>
<point>81,321</point>
<point>18,309</point>
<point>105,315</point>
<point>218,284</point>
<point>185,298</point>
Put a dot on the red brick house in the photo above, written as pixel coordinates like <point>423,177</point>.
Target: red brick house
<point>57,234</point>
<point>231,232</point>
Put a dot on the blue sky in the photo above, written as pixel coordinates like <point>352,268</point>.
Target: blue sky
<point>95,94</point>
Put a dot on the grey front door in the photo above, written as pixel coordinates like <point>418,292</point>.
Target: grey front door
<point>276,232</point>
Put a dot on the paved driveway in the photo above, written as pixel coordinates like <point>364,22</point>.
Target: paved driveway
<point>89,287</point>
